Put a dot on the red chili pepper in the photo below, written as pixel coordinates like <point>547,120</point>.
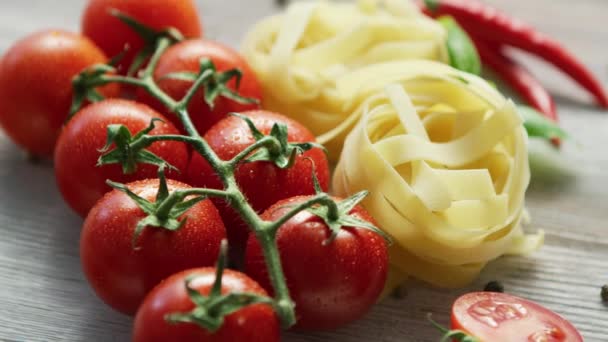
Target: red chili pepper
<point>517,77</point>
<point>490,24</point>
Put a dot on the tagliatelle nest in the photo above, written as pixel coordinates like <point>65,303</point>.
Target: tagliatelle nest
<point>444,156</point>
<point>301,56</point>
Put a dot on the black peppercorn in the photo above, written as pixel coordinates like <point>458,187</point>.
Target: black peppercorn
<point>494,286</point>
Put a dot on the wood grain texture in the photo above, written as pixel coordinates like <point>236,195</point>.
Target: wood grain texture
<point>43,296</point>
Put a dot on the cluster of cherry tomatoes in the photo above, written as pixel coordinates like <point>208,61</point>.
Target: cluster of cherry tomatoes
<point>331,284</point>
<point>159,273</point>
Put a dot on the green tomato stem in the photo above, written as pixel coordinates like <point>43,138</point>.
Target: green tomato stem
<point>321,198</point>
<point>161,46</point>
<point>264,231</point>
<point>284,306</point>
<point>205,192</point>
<point>225,171</point>
<point>264,142</point>
<point>147,140</point>
<point>198,83</point>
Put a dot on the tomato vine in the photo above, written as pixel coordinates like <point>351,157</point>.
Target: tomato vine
<point>130,150</point>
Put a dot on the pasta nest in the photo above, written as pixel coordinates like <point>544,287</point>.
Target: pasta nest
<point>301,56</point>
<point>444,156</point>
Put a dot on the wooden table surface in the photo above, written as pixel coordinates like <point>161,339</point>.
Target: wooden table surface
<point>43,296</point>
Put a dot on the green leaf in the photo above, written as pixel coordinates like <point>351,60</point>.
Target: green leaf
<point>77,101</point>
<point>147,157</point>
<point>452,335</point>
<point>351,202</point>
<point>461,50</point>
<point>129,151</point>
<point>216,290</point>
<point>432,5</point>
<point>147,129</point>
<point>539,126</point>
<point>257,135</point>
<point>180,208</point>
<point>163,189</point>
<point>114,61</point>
<point>279,131</point>
<point>118,134</point>
<point>149,220</point>
<point>211,93</point>
<point>236,97</point>
<point>195,296</point>
<point>345,219</point>
<point>226,76</point>
<point>94,96</point>
<point>140,59</point>
<point>143,203</point>
<point>146,33</point>
<point>315,179</point>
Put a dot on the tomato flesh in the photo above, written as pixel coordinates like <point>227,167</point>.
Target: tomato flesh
<point>492,316</point>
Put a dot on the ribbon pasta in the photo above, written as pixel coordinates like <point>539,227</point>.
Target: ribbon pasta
<point>299,56</point>
<point>444,156</point>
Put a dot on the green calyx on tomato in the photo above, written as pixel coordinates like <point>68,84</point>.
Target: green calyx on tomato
<point>165,211</point>
<point>150,37</point>
<point>83,86</point>
<point>130,150</point>
<point>214,83</point>
<point>275,147</point>
<point>452,335</point>
<point>209,311</point>
<point>337,214</point>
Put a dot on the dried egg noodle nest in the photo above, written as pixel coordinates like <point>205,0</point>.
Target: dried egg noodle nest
<point>444,156</point>
<point>298,56</point>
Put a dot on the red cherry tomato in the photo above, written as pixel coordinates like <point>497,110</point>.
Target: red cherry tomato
<point>36,86</point>
<point>122,275</point>
<point>186,56</point>
<point>80,181</point>
<point>254,323</point>
<point>263,183</point>
<point>492,316</point>
<point>112,35</point>
<point>331,284</point>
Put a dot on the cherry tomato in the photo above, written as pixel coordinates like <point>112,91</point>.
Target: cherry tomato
<point>122,274</point>
<point>254,323</point>
<point>492,316</point>
<point>332,284</point>
<point>112,35</point>
<point>263,183</point>
<point>36,86</point>
<point>81,182</point>
<point>186,56</point>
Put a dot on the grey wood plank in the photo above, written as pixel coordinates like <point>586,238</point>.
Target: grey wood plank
<point>43,296</point>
